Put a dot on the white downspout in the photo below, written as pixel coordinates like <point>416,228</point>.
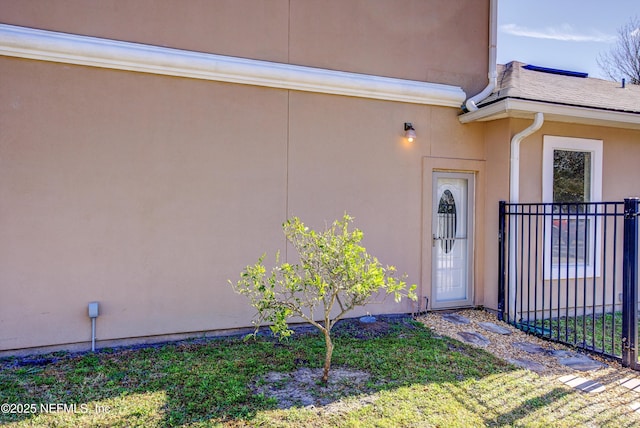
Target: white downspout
<point>514,198</point>
<point>514,164</point>
<point>470,104</point>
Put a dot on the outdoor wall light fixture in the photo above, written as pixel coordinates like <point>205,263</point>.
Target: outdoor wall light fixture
<point>409,132</point>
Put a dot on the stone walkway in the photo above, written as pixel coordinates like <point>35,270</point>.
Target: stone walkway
<point>570,359</point>
<point>580,366</point>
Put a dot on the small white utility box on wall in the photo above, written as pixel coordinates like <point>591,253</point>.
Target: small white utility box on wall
<point>93,314</point>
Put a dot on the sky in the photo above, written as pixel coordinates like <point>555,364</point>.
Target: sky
<point>564,34</point>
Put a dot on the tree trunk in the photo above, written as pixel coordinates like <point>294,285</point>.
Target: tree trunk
<point>327,358</point>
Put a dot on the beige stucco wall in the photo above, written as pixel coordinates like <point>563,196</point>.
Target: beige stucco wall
<point>255,29</point>
<point>144,194</point>
<point>436,40</point>
<point>497,135</point>
<point>147,193</point>
<point>136,191</point>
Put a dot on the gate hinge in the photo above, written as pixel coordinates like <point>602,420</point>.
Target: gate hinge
<point>630,214</point>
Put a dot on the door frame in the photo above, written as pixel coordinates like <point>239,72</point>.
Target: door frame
<point>477,269</point>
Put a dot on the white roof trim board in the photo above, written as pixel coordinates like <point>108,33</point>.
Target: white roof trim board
<point>22,42</point>
<point>553,112</point>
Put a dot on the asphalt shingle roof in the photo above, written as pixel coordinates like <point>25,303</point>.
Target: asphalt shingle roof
<point>515,81</point>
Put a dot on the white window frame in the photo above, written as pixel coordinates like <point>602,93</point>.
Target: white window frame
<point>550,144</point>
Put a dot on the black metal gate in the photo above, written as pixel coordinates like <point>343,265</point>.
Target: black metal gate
<point>569,272</point>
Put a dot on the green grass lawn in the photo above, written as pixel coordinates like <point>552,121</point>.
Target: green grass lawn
<point>416,380</point>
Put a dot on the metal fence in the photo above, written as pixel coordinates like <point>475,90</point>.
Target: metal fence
<point>569,272</point>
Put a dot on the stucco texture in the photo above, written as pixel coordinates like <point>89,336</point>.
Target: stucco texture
<point>148,193</point>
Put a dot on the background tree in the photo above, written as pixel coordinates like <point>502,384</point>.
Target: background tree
<point>623,60</point>
<point>335,274</point>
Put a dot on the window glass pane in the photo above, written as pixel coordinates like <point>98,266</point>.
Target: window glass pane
<point>572,185</point>
<point>571,176</point>
<point>570,240</point>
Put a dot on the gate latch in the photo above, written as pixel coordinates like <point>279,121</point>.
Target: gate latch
<point>628,214</point>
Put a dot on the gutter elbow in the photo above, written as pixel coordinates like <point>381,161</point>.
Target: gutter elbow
<point>471,103</point>
<point>538,120</point>
<point>514,164</point>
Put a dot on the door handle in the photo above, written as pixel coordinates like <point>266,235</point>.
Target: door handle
<point>435,238</point>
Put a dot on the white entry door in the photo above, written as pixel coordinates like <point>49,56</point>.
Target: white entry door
<point>452,239</point>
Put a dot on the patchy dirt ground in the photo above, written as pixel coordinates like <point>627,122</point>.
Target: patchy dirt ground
<point>303,388</point>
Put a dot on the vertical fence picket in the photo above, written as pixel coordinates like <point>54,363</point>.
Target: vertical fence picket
<point>614,270</point>
<point>605,224</point>
<point>630,284</point>
<point>501,257</point>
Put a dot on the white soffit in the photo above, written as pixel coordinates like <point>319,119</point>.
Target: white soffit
<point>553,112</point>
<point>22,42</point>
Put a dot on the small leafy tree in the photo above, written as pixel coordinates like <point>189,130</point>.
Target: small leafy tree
<point>334,275</point>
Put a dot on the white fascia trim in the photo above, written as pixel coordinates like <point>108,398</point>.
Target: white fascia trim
<point>22,42</point>
<point>553,112</point>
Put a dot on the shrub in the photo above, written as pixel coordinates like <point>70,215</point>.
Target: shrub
<point>334,272</point>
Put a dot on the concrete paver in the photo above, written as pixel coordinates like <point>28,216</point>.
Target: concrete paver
<point>582,384</point>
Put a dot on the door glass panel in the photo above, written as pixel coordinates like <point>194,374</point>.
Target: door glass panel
<point>447,223</point>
